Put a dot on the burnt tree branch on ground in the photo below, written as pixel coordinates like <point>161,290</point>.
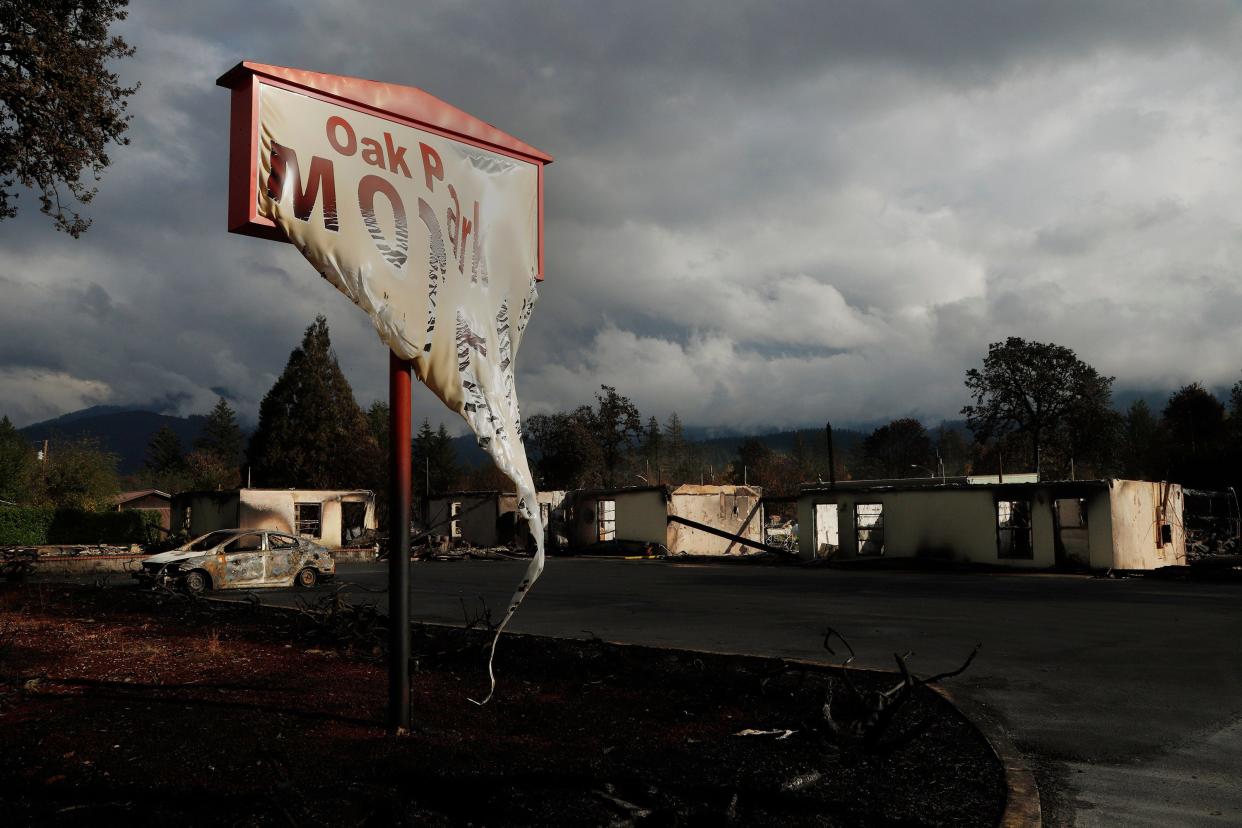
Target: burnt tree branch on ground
<point>863,721</point>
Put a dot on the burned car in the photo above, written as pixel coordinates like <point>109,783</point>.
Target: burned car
<point>240,559</point>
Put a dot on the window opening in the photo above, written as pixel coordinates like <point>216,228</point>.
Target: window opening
<point>869,528</point>
<point>245,543</point>
<point>1013,529</point>
<point>307,518</point>
<point>606,518</point>
<point>455,524</point>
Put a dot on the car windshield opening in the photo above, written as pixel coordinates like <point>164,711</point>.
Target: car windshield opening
<point>210,541</point>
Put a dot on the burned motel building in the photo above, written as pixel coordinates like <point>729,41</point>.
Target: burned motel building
<point>1073,524</point>
<point>331,518</point>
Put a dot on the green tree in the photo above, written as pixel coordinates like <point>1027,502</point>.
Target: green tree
<point>758,464</point>
<point>18,465</point>
<point>1034,389</point>
<point>164,466</point>
<point>444,459</point>
<point>684,461</point>
<point>377,422</point>
<point>651,449</point>
<point>617,426</point>
<point>434,460</point>
<point>221,435</point>
<point>953,450</point>
<point>205,470</point>
<point>900,449</point>
<point>60,107</point>
<point>752,455</point>
<point>802,458</point>
<point>79,474</point>
<point>566,453</point>
<point>1194,424</point>
<point>312,433</point>
<point>1140,446</point>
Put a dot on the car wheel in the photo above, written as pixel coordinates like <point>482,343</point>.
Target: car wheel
<point>196,582</point>
<point>307,578</point>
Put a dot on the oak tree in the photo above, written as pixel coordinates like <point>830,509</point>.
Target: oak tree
<point>902,448</point>
<point>1035,389</point>
<point>60,106</point>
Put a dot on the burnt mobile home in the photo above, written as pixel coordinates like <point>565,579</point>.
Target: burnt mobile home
<point>328,517</point>
<point>1088,524</point>
<point>646,517</point>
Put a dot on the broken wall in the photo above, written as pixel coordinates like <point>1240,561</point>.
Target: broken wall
<point>202,512</point>
<point>477,517</point>
<point>734,509</point>
<point>1139,509</point>
<point>640,516</point>
<point>275,510</point>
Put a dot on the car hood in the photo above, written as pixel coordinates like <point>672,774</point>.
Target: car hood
<point>175,556</point>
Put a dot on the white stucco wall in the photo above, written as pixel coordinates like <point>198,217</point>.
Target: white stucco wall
<point>641,515</point>
<point>1138,509</point>
<point>272,509</point>
<point>947,524</point>
<point>1123,523</point>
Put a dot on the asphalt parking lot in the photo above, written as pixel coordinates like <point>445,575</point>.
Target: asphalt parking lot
<point>1125,694</point>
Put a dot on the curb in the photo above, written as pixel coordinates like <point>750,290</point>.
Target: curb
<point>1022,808</point>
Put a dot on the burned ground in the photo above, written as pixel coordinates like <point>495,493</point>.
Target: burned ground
<point>117,705</point>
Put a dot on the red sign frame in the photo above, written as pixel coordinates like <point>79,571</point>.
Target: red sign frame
<point>405,105</point>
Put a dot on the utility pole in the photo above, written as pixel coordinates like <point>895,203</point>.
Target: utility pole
<point>832,459</point>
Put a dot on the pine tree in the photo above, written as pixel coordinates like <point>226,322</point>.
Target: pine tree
<point>803,461</point>
<point>165,458</point>
<point>434,460</point>
<point>221,435</point>
<point>312,433</point>
<point>652,450</point>
<point>420,459</point>
<point>674,447</point>
<point>444,460</point>
<point>377,420</point>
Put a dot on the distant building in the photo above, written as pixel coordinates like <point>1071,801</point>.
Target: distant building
<point>1095,524</point>
<point>480,518</point>
<point>645,517</point>
<point>486,519</point>
<point>329,517</point>
<point>147,500</point>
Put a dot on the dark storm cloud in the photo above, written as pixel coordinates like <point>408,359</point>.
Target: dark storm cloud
<point>832,205</point>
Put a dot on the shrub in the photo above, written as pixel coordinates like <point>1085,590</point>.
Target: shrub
<point>35,525</point>
<point>25,525</point>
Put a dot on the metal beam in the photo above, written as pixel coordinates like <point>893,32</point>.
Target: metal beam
<point>399,448</point>
<point>712,530</point>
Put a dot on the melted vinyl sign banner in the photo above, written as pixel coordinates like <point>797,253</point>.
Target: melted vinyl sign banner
<point>435,239</point>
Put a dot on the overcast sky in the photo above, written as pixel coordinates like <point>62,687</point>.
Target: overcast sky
<point>761,214</point>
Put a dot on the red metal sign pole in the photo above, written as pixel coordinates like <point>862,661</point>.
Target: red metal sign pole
<point>399,447</point>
